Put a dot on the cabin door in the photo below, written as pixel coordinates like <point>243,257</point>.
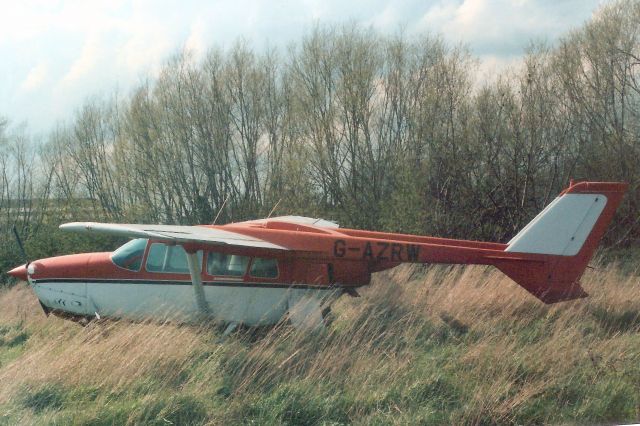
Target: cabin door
<point>319,274</point>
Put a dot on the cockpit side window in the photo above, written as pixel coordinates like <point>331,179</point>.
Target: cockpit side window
<point>229,265</point>
<point>169,259</point>
<point>264,268</point>
<point>129,256</point>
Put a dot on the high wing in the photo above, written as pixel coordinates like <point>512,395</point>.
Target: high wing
<point>173,233</point>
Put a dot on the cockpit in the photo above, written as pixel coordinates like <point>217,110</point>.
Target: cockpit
<point>168,259</point>
<point>172,259</point>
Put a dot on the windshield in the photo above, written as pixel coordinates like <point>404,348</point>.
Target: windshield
<point>129,256</point>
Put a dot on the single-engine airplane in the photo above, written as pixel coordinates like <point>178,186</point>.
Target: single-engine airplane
<point>257,272</point>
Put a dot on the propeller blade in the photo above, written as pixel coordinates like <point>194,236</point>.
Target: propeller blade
<point>19,241</point>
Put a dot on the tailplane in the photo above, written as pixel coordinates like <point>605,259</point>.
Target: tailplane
<point>558,243</point>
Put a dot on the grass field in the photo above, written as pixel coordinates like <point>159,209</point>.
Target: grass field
<point>435,345</point>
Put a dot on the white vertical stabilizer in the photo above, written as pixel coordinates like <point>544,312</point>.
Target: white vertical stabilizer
<point>562,227</point>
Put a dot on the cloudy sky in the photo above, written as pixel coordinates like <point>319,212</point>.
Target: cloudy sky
<point>53,54</point>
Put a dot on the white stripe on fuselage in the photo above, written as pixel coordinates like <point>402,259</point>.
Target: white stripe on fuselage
<point>248,303</point>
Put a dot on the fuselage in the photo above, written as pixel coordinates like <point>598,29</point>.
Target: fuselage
<point>145,278</point>
<point>250,285</point>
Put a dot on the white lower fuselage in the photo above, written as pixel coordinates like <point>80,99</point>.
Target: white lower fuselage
<point>229,301</point>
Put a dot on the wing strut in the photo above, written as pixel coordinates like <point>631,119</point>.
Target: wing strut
<point>196,280</point>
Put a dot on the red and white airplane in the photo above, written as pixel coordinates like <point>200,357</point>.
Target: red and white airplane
<point>257,272</point>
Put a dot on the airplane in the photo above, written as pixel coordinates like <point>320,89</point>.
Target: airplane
<point>261,271</point>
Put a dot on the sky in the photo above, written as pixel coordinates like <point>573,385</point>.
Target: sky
<point>56,53</point>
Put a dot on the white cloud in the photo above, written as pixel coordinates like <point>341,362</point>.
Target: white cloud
<point>387,19</point>
<point>35,78</point>
<point>197,42</point>
<point>504,27</point>
<point>57,52</point>
<point>491,67</point>
<point>91,52</point>
<point>27,20</point>
<point>143,48</point>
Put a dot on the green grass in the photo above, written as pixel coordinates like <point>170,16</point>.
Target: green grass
<point>12,341</point>
<point>422,346</point>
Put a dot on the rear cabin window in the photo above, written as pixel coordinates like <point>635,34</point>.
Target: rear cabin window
<point>264,268</point>
<point>129,256</point>
<point>169,259</point>
<point>228,265</point>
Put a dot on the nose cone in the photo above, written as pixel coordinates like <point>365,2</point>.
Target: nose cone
<point>19,272</point>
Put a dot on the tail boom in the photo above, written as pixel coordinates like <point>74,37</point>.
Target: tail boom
<point>550,254</point>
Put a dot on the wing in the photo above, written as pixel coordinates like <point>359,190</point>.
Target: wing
<point>172,233</point>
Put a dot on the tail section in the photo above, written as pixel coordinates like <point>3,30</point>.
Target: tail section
<point>556,245</point>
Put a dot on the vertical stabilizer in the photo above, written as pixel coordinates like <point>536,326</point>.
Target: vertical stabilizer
<point>560,241</point>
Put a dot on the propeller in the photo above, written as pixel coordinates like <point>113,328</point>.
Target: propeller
<point>23,272</point>
<point>20,272</point>
<point>22,250</point>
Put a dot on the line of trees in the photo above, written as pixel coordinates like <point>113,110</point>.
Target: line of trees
<point>381,132</point>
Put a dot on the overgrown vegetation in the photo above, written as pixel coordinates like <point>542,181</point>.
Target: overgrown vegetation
<point>434,345</point>
<point>379,132</point>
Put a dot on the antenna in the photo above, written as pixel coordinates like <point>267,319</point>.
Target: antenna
<point>274,208</point>
<point>220,210</point>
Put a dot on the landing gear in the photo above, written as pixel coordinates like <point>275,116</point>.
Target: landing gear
<point>230,329</point>
<point>311,311</point>
<point>327,316</point>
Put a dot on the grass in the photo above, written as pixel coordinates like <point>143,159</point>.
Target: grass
<point>436,345</point>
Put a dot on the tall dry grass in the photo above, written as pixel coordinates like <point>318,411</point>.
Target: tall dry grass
<point>432,345</point>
